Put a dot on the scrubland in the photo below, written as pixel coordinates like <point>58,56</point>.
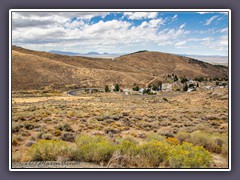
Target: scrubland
<point>187,130</point>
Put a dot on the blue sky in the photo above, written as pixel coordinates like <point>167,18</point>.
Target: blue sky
<point>199,33</point>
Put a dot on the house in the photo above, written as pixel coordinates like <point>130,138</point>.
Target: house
<point>167,87</point>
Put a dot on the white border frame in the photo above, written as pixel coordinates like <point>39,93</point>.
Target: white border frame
<point>120,10</point>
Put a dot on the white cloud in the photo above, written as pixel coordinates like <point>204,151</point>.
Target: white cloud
<point>182,26</point>
<point>224,30</point>
<point>175,17</point>
<point>140,15</point>
<point>225,13</point>
<point>209,21</point>
<point>77,33</point>
<point>179,44</point>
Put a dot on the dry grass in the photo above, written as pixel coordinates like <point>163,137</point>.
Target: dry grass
<point>116,116</point>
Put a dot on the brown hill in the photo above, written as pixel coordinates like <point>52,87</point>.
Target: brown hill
<point>38,70</point>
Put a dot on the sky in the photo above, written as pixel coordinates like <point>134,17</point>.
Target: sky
<point>198,33</point>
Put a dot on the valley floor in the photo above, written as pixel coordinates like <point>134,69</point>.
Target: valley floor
<point>115,116</point>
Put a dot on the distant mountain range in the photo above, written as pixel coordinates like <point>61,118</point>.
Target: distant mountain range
<point>213,59</point>
<point>89,54</point>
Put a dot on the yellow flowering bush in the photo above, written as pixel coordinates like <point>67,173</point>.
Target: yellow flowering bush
<point>49,150</point>
<point>188,156</point>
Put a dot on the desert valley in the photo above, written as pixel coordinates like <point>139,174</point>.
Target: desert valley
<point>140,110</point>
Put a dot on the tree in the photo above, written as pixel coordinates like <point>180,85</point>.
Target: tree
<point>107,88</point>
<point>216,79</point>
<point>154,87</point>
<point>159,84</point>
<point>184,79</point>
<point>116,87</point>
<point>191,86</point>
<point>185,87</point>
<point>175,78</point>
<point>146,91</point>
<point>149,86</point>
<point>199,79</point>
<point>136,88</point>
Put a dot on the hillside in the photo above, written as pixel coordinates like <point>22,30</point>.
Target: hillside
<point>38,70</point>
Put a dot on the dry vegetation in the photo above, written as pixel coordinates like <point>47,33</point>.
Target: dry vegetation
<point>116,130</point>
<point>53,71</point>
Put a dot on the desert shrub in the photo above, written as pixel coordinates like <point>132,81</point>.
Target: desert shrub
<point>15,141</point>
<point>16,127</point>
<point>165,99</point>
<point>57,132</point>
<point>154,136</point>
<point>152,153</point>
<point>68,137</point>
<point>46,136</point>
<point>172,141</point>
<point>211,142</point>
<point>95,148</point>
<point>49,150</point>
<point>189,156</point>
<point>65,127</point>
<point>129,149</point>
<point>183,136</point>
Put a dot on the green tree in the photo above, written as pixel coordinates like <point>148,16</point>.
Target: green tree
<point>154,87</point>
<point>175,78</point>
<point>184,79</point>
<point>159,84</point>
<point>185,87</point>
<point>136,88</point>
<point>107,88</point>
<point>116,87</point>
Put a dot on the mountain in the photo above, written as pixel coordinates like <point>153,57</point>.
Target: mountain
<point>38,70</point>
<point>64,53</point>
<point>92,53</point>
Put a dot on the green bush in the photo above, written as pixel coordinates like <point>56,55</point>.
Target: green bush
<point>49,150</point>
<point>154,136</point>
<point>95,148</point>
<point>183,136</point>
<point>189,156</point>
<point>211,142</point>
<point>152,153</point>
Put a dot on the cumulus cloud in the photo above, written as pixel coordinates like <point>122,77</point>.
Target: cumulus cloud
<point>90,31</point>
<point>140,15</point>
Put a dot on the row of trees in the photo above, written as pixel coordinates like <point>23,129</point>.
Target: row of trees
<point>116,88</point>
